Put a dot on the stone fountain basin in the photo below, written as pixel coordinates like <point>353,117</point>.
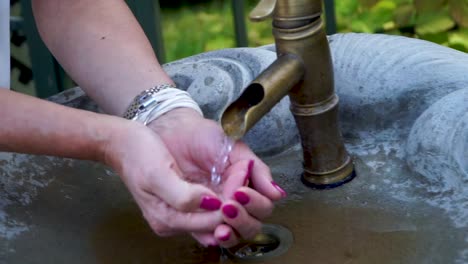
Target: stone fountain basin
<point>403,110</point>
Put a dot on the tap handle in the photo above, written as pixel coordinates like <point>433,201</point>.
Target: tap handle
<point>263,10</point>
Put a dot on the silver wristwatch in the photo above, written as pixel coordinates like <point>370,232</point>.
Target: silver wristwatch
<point>144,101</point>
<point>157,101</point>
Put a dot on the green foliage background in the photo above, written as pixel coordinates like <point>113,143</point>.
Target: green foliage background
<point>441,21</point>
<point>194,26</point>
<point>208,25</point>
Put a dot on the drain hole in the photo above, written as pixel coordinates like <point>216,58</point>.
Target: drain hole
<point>260,245</point>
<point>274,241</point>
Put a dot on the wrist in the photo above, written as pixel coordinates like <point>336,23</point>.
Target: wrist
<point>175,118</point>
<point>157,101</point>
<point>115,133</point>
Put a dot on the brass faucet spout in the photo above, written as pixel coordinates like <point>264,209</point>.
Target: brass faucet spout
<point>304,71</point>
<point>262,94</point>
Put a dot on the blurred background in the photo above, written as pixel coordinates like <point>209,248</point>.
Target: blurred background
<point>181,28</point>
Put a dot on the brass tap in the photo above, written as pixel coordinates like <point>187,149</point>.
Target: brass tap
<point>304,71</point>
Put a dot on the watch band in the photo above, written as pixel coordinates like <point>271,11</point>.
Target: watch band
<point>152,103</point>
<point>140,102</point>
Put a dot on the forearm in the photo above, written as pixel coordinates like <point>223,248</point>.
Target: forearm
<point>103,48</point>
<point>30,125</point>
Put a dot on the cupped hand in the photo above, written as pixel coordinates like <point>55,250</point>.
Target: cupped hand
<point>247,189</point>
<point>169,202</point>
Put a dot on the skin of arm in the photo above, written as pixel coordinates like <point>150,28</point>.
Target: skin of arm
<point>30,125</point>
<point>103,48</point>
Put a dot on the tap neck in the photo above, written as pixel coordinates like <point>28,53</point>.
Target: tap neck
<point>292,14</point>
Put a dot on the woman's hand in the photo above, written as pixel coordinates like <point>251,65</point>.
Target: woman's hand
<point>195,143</point>
<point>168,173</point>
<point>169,203</point>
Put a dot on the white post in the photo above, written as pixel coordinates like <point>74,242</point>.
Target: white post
<point>5,43</point>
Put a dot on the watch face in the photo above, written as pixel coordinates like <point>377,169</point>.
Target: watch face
<point>147,100</point>
<point>143,97</point>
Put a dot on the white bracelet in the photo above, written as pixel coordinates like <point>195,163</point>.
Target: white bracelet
<point>157,101</point>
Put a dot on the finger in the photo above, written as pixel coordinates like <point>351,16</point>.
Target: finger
<point>208,145</point>
<point>225,236</point>
<point>184,196</point>
<point>239,219</point>
<point>165,220</point>
<point>237,175</point>
<point>206,239</point>
<point>261,179</point>
<point>256,204</point>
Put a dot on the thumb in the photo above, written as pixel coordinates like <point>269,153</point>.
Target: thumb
<point>180,194</point>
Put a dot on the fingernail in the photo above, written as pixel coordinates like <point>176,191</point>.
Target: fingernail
<point>210,203</point>
<point>283,193</point>
<point>241,197</point>
<point>230,211</point>
<point>225,237</point>
<point>249,172</point>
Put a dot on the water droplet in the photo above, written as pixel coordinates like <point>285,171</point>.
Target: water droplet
<point>221,161</point>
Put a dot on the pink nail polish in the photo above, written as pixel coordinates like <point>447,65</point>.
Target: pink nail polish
<point>283,193</point>
<point>249,172</point>
<point>241,197</point>
<point>225,237</point>
<point>230,211</point>
<point>210,203</point>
